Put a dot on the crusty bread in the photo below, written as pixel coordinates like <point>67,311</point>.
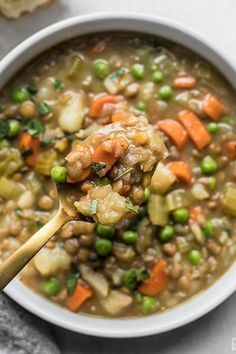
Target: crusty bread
<point>14,8</point>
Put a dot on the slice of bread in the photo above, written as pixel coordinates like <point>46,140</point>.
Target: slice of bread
<point>14,8</point>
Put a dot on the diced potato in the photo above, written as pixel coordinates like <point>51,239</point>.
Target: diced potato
<point>96,280</point>
<point>9,189</point>
<point>71,115</point>
<point>26,200</point>
<point>199,192</point>
<point>157,210</point>
<point>51,261</point>
<point>162,179</point>
<point>116,302</point>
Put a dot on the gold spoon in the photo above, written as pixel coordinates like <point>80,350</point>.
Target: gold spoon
<point>13,264</point>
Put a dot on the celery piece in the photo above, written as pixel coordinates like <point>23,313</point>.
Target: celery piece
<point>9,189</point>
<point>229,200</point>
<point>10,161</point>
<point>157,210</point>
<point>45,162</point>
<point>75,67</point>
<point>179,198</point>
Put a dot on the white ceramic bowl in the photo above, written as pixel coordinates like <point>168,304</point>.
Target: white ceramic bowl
<point>199,304</point>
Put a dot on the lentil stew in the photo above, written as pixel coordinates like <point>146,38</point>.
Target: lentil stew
<point>159,236</point>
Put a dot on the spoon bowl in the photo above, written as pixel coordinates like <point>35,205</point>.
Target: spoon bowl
<point>66,212</point>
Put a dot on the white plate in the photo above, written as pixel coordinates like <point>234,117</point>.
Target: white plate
<point>201,303</point>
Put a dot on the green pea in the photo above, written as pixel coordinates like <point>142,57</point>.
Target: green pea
<point>154,67</point>
<point>103,247</point>
<point>208,228</point>
<point>101,68</point>
<point>20,94</point>
<point>4,143</point>
<point>44,109</point>
<point>180,216</point>
<point>149,305</point>
<point>147,194</point>
<point>14,128</point>
<point>105,230</point>
<point>51,286</point>
<point>165,93</point>
<point>208,165</point>
<point>212,128</point>
<point>138,71</point>
<point>195,257</point>
<point>141,106</point>
<point>157,77</point>
<point>129,236</point>
<point>166,233</point>
<point>59,174</point>
<point>103,181</point>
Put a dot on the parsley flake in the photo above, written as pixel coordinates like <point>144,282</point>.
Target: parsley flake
<point>129,205</point>
<point>98,166</point>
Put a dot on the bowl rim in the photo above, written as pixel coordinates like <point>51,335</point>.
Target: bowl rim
<point>201,303</point>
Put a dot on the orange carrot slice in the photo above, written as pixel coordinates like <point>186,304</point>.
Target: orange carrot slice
<point>230,149</point>
<point>26,142</point>
<point>175,131</point>
<point>181,170</point>
<point>213,107</point>
<point>195,129</point>
<point>196,213</point>
<point>158,280</point>
<point>184,82</point>
<point>97,104</point>
<point>80,295</point>
<point>109,151</point>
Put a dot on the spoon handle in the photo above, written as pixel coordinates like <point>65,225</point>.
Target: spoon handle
<point>13,264</point>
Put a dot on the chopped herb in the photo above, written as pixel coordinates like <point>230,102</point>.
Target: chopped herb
<point>141,274</point>
<point>93,207</point>
<point>134,276</point>
<point>103,181</point>
<point>39,224</point>
<point>129,205</point>
<point>18,211</point>
<point>98,166</point>
<point>35,127</point>
<point>2,105</point>
<point>118,73</point>
<point>45,143</point>
<point>229,232</point>
<point>58,85</point>
<point>26,152</point>
<point>72,279</point>
<point>44,109</point>
<point>4,128</point>
<point>31,88</point>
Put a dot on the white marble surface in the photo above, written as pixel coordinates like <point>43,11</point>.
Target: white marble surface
<point>216,20</point>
